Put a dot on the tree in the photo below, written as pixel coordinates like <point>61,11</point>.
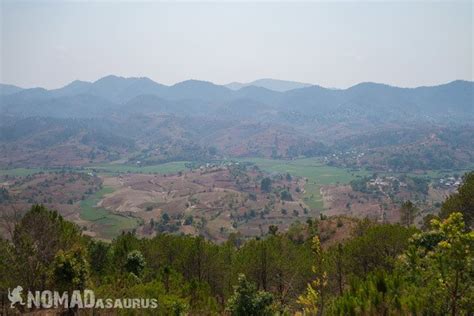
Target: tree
<point>266,185</point>
<point>71,269</point>
<point>313,300</point>
<point>99,256</point>
<point>408,212</point>
<point>37,238</point>
<point>4,195</point>
<point>135,263</point>
<point>285,195</point>
<point>379,293</point>
<point>426,225</point>
<point>442,261</point>
<point>165,218</point>
<point>462,201</point>
<point>120,248</point>
<point>273,229</point>
<point>434,276</point>
<point>375,247</point>
<point>9,218</point>
<point>247,301</point>
<point>189,220</point>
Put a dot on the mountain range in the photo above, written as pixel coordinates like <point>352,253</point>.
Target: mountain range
<point>368,101</point>
<point>270,84</point>
<point>137,119</point>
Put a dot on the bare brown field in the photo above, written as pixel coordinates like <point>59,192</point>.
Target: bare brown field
<point>61,191</point>
<point>213,201</point>
<point>342,200</point>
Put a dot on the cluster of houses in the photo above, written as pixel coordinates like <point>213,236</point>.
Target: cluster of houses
<point>352,154</point>
<point>449,182</point>
<point>385,181</point>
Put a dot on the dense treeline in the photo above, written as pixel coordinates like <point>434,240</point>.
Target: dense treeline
<point>382,269</point>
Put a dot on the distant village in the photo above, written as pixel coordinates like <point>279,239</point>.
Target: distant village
<point>449,182</point>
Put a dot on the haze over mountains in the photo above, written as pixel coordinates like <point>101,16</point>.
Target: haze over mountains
<point>137,119</point>
<point>275,98</point>
<point>270,84</point>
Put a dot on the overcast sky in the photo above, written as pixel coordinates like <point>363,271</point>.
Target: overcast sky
<point>49,44</point>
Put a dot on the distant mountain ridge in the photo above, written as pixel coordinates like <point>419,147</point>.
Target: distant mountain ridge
<point>113,117</point>
<point>364,101</point>
<point>270,84</point>
<point>6,89</point>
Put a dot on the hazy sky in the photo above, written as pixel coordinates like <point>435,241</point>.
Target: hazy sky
<point>331,44</point>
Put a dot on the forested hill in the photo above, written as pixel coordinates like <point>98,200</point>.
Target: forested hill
<point>371,101</point>
<point>371,269</point>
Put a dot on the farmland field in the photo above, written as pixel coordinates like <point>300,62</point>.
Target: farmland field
<point>317,173</point>
<point>170,167</point>
<point>110,224</point>
<point>23,172</point>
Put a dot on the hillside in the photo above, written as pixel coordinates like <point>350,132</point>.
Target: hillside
<point>270,84</point>
<point>276,272</point>
<point>123,118</point>
<point>362,101</point>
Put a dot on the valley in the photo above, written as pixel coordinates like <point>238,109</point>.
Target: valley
<point>129,154</point>
<point>236,158</point>
<point>217,199</point>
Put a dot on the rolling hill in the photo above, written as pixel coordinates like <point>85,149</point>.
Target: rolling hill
<point>139,119</point>
<point>366,101</point>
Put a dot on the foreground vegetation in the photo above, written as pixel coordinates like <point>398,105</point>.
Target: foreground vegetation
<point>382,269</point>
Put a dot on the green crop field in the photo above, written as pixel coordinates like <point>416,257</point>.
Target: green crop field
<point>314,170</point>
<point>433,174</point>
<point>110,224</point>
<point>169,167</point>
<point>23,172</point>
<point>89,211</point>
<point>319,174</point>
